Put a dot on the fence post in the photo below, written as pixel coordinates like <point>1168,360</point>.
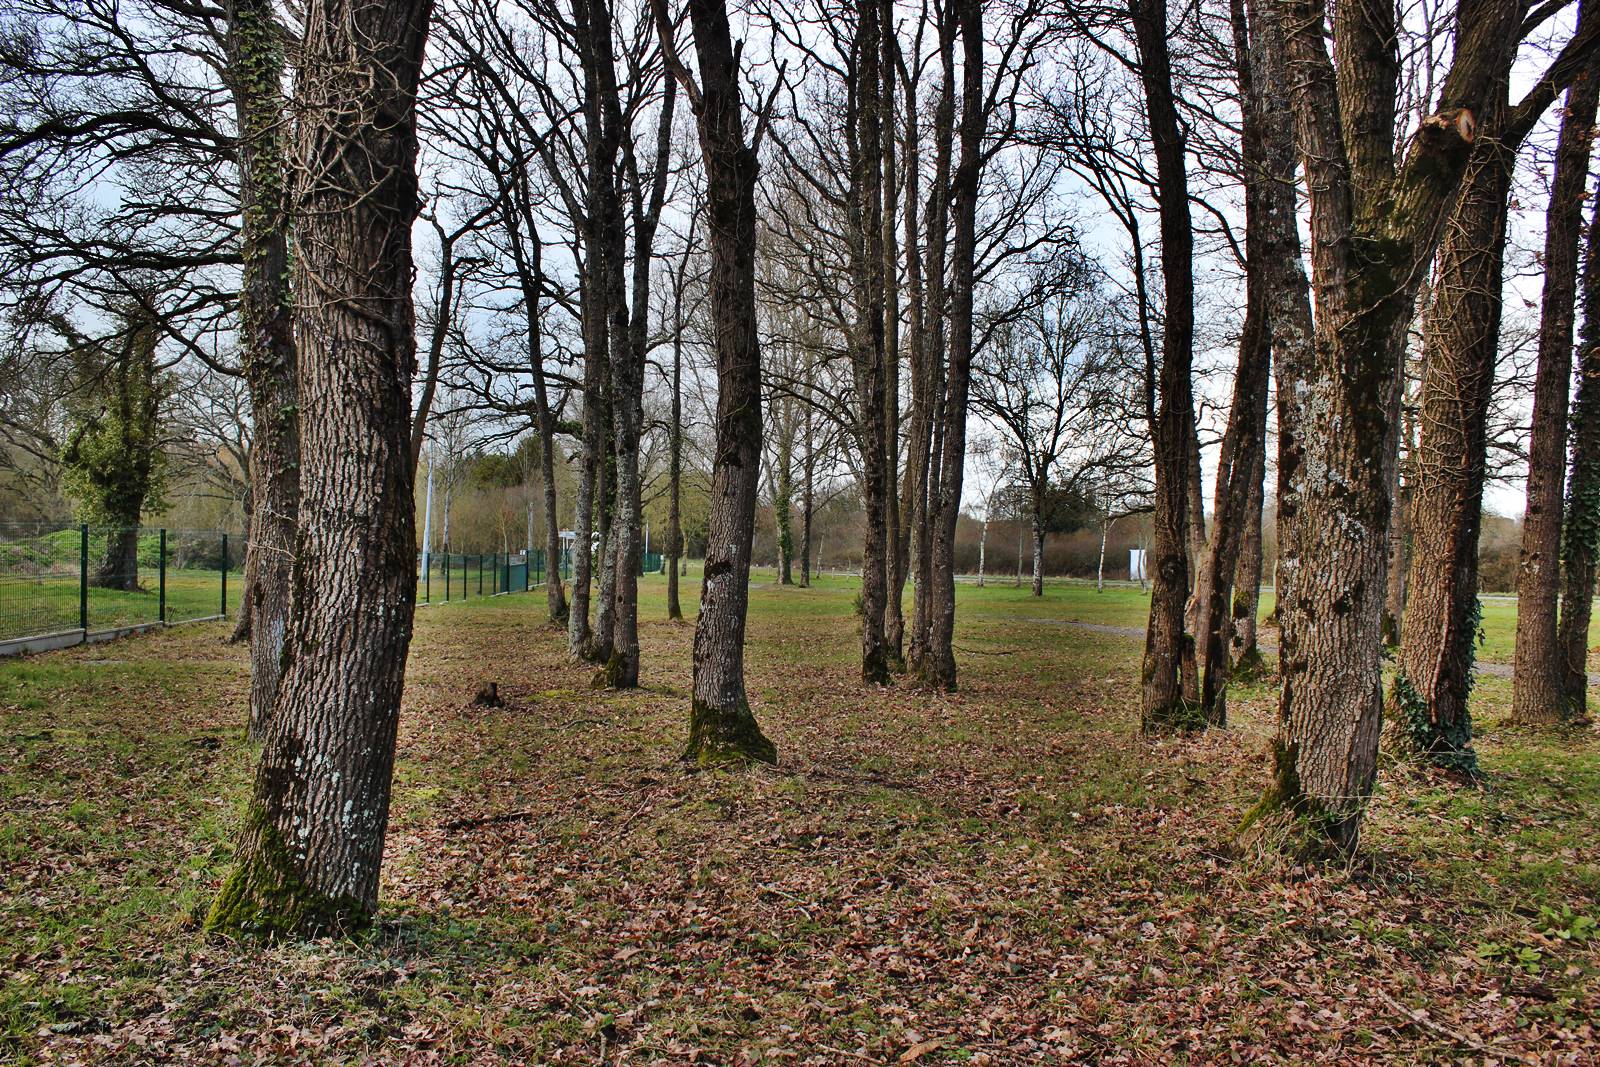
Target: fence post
<point>83,579</point>
<point>480,573</point>
<point>161,567</point>
<point>447,576</point>
<point>224,611</point>
<point>465,574</point>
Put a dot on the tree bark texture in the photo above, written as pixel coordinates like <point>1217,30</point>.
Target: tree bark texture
<point>1163,707</point>
<point>266,335</point>
<point>939,667</point>
<point>312,841</point>
<point>1374,228</point>
<point>1428,699</point>
<point>868,355</point>
<point>1537,694</point>
<point>1581,534</point>
<point>721,725</point>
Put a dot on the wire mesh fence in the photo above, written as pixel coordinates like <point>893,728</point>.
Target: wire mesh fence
<point>444,577</point>
<point>66,582</point>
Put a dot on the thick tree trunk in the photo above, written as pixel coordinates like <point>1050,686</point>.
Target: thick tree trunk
<point>1428,699</point>
<point>1374,227</point>
<point>939,667</point>
<point>119,567</point>
<point>1537,691</point>
<point>312,842</point>
<point>1581,536</point>
<point>721,725</point>
<point>1163,705</point>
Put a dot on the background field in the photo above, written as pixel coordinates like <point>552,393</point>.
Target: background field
<point>1002,875</point>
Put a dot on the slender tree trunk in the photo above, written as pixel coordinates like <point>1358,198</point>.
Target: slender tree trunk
<point>1100,564</point>
<point>1581,536</point>
<point>675,459</point>
<point>1247,662</point>
<point>579,633</point>
<point>256,62</point>
<point>807,497</point>
<point>939,668</point>
<point>895,560</point>
<point>782,509</point>
<point>928,285</point>
<point>312,840</point>
<point>868,355</point>
<point>1240,472</point>
<point>983,544</point>
<point>721,725</point>
<point>1163,704</point>
<point>1394,603</point>
<point>1038,557</point>
<point>1537,691</point>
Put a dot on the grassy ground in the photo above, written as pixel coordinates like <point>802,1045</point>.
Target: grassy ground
<point>1009,874</point>
<point>49,603</point>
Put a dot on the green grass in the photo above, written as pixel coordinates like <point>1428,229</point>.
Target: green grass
<point>1010,869</point>
<point>50,604</point>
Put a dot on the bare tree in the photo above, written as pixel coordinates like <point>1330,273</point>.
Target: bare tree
<point>721,724</point>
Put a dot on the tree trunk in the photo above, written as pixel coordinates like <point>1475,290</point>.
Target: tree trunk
<point>256,65</point>
<point>1163,705</point>
<point>721,725</point>
<point>312,840</point>
<point>1374,227</point>
<point>939,667</point>
<point>1038,557</point>
<point>1244,443</point>
<point>119,567</point>
<point>529,260</point>
<point>807,498</point>
<point>1428,700</point>
<point>926,280</point>
<point>1247,661</point>
<point>868,354</point>
<point>783,510</point>
<point>1537,690</point>
<point>675,459</point>
<point>894,622</point>
<point>1581,536</point>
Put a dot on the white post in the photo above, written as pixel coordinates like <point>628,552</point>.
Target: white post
<point>427,520</point>
<point>1100,572</point>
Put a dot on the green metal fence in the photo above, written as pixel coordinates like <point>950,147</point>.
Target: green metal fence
<point>61,584</point>
<point>443,577</point>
